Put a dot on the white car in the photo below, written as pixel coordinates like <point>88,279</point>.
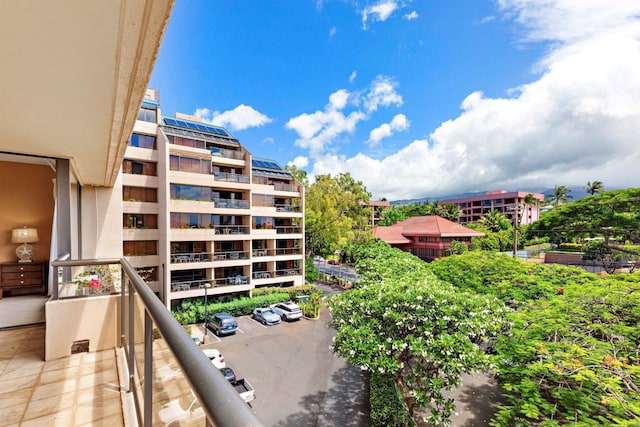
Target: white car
<point>287,311</point>
<point>216,357</point>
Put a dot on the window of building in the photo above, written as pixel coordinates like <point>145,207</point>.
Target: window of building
<point>147,115</point>
<point>142,141</point>
<point>262,223</point>
<point>137,167</point>
<point>140,247</point>
<point>263,200</point>
<point>190,192</point>
<point>139,194</point>
<point>140,221</point>
<point>189,164</point>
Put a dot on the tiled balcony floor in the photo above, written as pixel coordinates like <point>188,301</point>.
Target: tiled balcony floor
<point>81,390</point>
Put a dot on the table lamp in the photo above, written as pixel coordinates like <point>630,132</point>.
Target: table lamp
<point>25,236</point>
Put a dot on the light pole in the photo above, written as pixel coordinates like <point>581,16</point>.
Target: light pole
<point>516,210</point>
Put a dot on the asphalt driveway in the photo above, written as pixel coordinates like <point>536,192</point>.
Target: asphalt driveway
<point>297,379</point>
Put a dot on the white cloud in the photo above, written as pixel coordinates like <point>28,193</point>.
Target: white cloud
<point>319,130</point>
<point>578,121</point>
<point>380,11</point>
<point>338,100</point>
<point>487,19</point>
<point>300,162</point>
<point>398,123</point>
<point>332,31</point>
<point>353,76</point>
<point>411,16</point>
<point>241,117</point>
<point>268,140</point>
<point>382,93</point>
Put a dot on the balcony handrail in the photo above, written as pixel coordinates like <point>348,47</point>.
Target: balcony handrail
<point>220,401</point>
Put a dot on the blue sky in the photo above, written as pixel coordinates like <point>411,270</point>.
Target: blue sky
<point>417,98</point>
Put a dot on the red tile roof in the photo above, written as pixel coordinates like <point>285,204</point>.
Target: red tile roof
<point>423,226</point>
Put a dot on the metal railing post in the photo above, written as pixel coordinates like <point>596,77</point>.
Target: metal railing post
<point>123,314</point>
<point>148,370</point>
<point>132,341</point>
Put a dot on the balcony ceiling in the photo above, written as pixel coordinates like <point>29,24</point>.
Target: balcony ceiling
<point>73,75</point>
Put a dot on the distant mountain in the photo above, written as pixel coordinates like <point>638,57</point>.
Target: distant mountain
<point>576,192</point>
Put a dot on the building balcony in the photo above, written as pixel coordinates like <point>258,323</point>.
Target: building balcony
<point>86,366</point>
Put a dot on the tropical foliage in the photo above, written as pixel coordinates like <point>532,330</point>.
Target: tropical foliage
<point>572,356</point>
<point>336,212</point>
<point>560,196</point>
<point>405,323</point>
<point>594,187</point>
<point>613,213</point>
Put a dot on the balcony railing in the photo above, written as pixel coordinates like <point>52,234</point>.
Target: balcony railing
<point>287,208</point>
<point>231,203</point>
<point>277,251</point>
<point>231,229</point>
<point>288,272</point>
<point>231,177</point>
<point>147,348</point>
<point>287,229</point>
<point>229,154</point>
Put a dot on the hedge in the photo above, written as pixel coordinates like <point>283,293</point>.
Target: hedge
<point>387,408</point>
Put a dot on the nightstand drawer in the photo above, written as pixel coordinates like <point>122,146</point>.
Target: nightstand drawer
<point>22,268</point>
<point>28,275</point>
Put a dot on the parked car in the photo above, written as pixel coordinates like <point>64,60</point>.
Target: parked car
<point>244,389</point>
<point>216,357</point>
<point>287,311</point>
<point>318,258</point>
<point>266,316</point>
<point>228,373</point>
<point>223,324</point>
<point>334,262</point>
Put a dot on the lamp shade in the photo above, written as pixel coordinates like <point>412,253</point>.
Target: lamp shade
<point>24,235</point>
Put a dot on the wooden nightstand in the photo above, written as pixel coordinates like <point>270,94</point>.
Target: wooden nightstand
<point>23,275</point>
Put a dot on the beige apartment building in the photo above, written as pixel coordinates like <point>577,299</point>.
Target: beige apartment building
<point>201,215</point>
<point>76,171</point>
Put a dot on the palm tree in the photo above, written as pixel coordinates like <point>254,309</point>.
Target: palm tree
<point>495,221</point>
<point>560,196</point>
<point>594,187</point>
<point>451,212</point>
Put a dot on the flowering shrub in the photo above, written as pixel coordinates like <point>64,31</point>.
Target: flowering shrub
<point>423,333</point>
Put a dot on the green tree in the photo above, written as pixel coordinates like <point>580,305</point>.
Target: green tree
<point>433,208</point>
<point>403,322</point>
<point>594,187</point>
<point>457,248</point>
<point>299,174</point>
<point>614,213</point>
<point>561,195</point>
<point>391,216</point>
<point>451,212</point>
<point>495,221</point>
<point>571,357</point>
<point>336,212</point>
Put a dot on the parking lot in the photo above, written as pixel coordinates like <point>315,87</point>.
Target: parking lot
<point>297,379</point>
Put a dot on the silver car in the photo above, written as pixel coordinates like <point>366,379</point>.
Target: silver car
<point>266,316</point>
<point>287,311</point>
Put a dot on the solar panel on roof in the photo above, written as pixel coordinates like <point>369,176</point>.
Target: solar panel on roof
<point>202,127</point>
<point>170,121</point>
<point>181,123</point>
<point>272,165</point>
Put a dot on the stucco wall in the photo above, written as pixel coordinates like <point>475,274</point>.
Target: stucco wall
<point>26,198</point>
<point>96,319</point>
